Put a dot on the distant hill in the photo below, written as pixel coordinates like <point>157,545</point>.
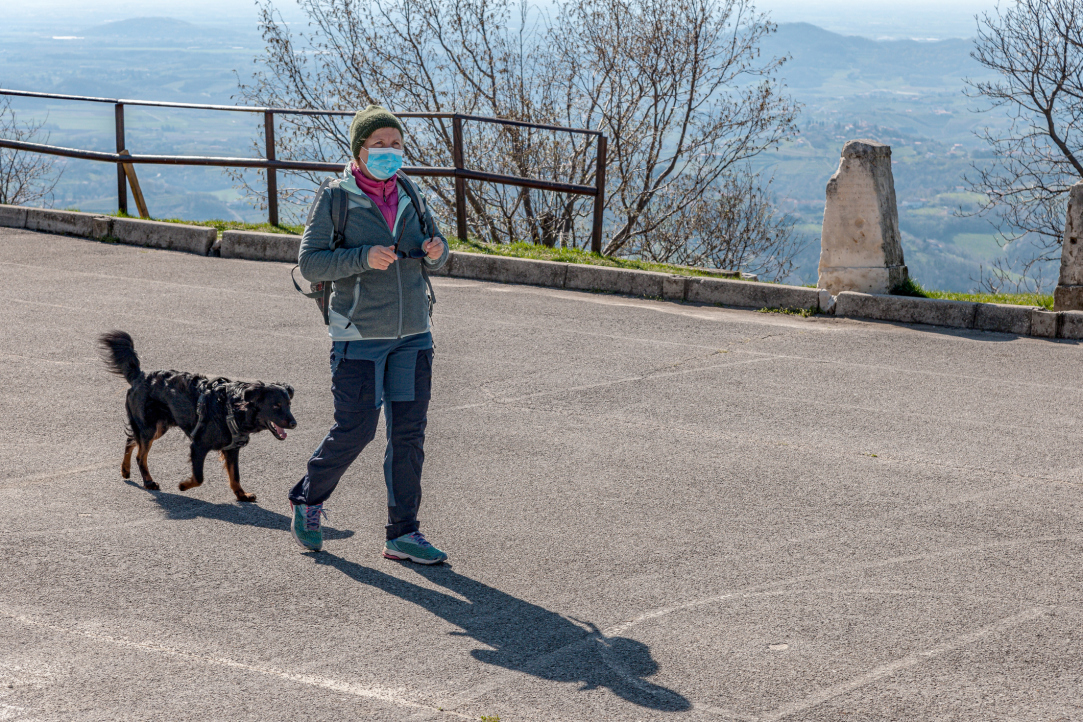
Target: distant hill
<point>906,93</point>
<point>853,63</point>
<point>159,29</point>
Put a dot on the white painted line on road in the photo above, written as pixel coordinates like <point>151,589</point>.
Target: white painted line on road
<point>893,371</point>
<point>44,360</point>
<point>767,587</point>
<point>200,324</point>
<point>129,280</point>
<point>910,660</point>
<point>834,691</point>
<point>56,474</point>
<point>587,387</point>
<point>704,312</point>
<point>594,334</point>
<point>390,695</point>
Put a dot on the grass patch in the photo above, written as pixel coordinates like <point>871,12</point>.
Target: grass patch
<point>910,287</point>
<point>802,312</point>
<point>515,250</point>
<point>221,225</point>
<point>915,289</point>
<point>573,255</point>
<point>1042,300</point>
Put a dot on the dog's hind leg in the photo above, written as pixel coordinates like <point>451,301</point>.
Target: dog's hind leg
<point>141,460</point>
<point>231,460</point>
<point>126,465</point>
<point>199,455</point>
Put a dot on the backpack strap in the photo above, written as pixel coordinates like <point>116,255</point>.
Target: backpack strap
<point>428,228</point>
<point>340,211</point>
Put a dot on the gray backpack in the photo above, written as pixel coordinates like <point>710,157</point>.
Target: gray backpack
<point>320,291</point>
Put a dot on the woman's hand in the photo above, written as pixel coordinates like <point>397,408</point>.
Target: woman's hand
<point>434,248</point>
<point>381,257</point>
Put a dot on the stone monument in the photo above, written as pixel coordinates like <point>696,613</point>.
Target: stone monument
<point>1069,293</point>
<point>860,247</point>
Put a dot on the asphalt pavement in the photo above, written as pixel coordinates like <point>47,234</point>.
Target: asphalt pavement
<point>654,511</point>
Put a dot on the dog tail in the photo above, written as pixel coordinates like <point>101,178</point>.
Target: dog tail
<point>118,352</point>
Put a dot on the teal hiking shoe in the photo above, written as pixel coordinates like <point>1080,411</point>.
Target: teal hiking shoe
<point>415,547</point>
<point>306,525</point>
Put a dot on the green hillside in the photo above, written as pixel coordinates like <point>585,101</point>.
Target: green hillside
<point>905,93</point>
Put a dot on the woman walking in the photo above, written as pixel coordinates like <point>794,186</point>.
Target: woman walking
<point>382,346</point>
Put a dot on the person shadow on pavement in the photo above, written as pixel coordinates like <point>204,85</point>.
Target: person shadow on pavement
<point>178,507</point>
<point>525,637</point>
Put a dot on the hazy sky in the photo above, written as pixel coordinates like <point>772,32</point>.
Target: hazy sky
<point>885,18</point>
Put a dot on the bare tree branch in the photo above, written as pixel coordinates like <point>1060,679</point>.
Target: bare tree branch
<point>25,178</point>
<point>1036,49</point>
<point>677,87</point>
<point>733,226</point>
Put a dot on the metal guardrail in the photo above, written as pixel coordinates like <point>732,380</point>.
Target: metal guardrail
<point>271,164</point>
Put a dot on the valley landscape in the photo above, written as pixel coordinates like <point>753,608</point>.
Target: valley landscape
<point>907,93</point>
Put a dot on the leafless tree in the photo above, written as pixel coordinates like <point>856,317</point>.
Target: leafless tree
<point>1036,49</point>
<point>421,56</point>
<point>734,225</point>
<point>677,86</point>
<point>680,89</point>
<point>25,178</point>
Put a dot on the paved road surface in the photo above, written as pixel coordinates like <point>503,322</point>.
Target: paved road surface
<point>654,511</point>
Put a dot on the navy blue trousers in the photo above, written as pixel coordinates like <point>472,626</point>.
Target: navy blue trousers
<point>406,376</point>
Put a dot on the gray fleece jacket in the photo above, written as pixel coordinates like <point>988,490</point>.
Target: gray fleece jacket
<point>367,303</point>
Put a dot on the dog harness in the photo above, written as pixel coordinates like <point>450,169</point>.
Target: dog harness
<point>237,439</point>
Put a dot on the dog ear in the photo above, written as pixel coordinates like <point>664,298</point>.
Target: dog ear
<point>289,389</point>
<point>251,394</point>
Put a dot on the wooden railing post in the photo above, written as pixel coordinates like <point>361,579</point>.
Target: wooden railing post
<point>272,176</point>
<point>137,191</point>
<point>460,183</point>
<point>599,198</point>
<point>122,180</point>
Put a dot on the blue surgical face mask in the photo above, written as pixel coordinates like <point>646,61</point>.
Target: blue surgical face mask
<point>384,162</point>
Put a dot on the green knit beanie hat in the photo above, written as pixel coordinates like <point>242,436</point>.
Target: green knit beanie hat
<point>368,121</point>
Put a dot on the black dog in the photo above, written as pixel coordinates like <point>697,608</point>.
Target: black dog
<point>216,414</point>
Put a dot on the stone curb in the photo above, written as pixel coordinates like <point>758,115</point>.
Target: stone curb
<point>253,246</point>
<point>71,223</point>
<point>12,216</point>
<point>133,231</point>
<point>167,236</point>
<point>997,317</point>
<point>249,245</point>
<point>750,294</point>
<point>502,269</point>
<point>906,309</point>
<point>1070,324</point>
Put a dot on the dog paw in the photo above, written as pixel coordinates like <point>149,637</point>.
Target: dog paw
<point>246,497</point>
<point>152,485</point>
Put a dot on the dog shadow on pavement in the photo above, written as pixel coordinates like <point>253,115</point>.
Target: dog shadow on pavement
<point>526,637</point>
<point>178,507</point>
